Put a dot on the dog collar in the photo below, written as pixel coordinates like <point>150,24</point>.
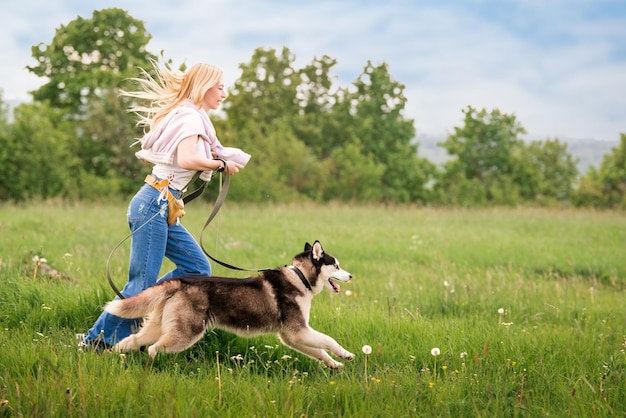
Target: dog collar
<point>302,278</point>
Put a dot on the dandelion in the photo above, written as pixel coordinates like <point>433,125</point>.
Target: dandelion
<point>501,312</point>
<point>367,350</point>
<point>348,293</point>
<point>435,352</point>
<point>463,355</point>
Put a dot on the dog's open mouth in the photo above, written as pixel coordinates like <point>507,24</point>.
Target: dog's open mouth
<point>334,285</point>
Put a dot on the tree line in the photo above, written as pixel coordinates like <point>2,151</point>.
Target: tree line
<point>310,140</point>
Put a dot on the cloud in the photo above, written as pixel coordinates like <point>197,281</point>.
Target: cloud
<point>559,66</point>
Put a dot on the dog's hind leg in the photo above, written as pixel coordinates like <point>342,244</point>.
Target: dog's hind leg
<point>314,344</point>
<point>148,334</point>
<point>178,335</point>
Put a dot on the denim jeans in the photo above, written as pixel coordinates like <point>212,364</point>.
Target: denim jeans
<point>151,241</point>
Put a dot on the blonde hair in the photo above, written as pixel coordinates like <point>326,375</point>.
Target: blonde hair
<point>169,88</point>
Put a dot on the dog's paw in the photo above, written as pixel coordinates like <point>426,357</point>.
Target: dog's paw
<point>332,364</point>
<point>348,356</point>
<point>152,351</point>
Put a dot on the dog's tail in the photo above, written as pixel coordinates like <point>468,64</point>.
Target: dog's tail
<point>142,303</point>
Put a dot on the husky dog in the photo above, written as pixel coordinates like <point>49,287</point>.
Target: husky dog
<point>180,310</point>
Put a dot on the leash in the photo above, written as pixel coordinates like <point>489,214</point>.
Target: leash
<point>219,201</point>
<point>115,289</point>
<point>216,208</point>
<point>186,199</point>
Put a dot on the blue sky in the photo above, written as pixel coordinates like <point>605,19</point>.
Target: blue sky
<point>558,65</point>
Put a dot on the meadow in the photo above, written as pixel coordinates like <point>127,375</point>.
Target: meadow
<point>524,309</point>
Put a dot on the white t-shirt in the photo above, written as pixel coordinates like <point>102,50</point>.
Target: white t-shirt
<point>178,177</point>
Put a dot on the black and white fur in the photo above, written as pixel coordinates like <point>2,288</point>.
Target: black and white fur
<point>179,311</point>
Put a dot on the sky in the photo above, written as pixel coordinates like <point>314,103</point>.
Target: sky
<point>558,65</point>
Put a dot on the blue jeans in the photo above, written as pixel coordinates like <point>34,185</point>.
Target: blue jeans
<point>152,240</point>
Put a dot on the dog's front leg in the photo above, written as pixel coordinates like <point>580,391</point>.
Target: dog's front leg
<point>315,353</point>
<point>314,344</point>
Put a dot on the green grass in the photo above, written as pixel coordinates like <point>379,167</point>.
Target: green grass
<point>423,278</point>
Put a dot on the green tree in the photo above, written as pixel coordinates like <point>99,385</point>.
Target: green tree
<point>5,149</point>
<point>546,173</point>
<point>41,162</point>
<point>484,151</point>
<point>373,114</point>
<point>356,177</point>
<point>261,109</point>
<point>265,92</point>
<point>109,164</point>
<point>606,187</point>
<point>89,56</point>
<point>315,99</point>
<point>351,137</point>
<point>86,63</point>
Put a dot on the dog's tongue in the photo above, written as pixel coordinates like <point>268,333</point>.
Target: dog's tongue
<point>335,286</point>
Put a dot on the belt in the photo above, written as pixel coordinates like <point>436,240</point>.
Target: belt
<point>156,183</point>
<point>160,185</point>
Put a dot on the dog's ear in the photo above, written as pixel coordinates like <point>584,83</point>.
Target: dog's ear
<point>307,247</point>
<point>318,251</point>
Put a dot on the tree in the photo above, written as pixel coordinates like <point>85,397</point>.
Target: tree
<point>484,152</point>
<point>356,177</point>
<point>6,153</point>
<point>373,114</point>
<point>86,63</point>
<point>546,172</point>
<point>89,56</point>
<point>265,92</point>
<point>261,111</point>
<point>104,148</point>
<point>606,187</point>
<point>41,159</point>
<point>358,138</point>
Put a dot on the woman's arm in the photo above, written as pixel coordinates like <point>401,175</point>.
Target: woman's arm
<point>189,160</point>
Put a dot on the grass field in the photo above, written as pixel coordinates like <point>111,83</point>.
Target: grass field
<point>525,306</point>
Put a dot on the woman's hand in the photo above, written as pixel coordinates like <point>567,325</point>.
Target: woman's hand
<point>187,158</point>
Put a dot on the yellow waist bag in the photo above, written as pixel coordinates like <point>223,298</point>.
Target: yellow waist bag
<point>175,207</point>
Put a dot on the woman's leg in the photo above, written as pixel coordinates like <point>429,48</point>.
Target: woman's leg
<point>147,219</point>
<point>184,251</point>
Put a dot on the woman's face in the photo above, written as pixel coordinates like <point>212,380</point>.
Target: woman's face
<point>214,96</point>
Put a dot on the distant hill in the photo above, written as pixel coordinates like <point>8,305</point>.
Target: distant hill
<point>589,152</point>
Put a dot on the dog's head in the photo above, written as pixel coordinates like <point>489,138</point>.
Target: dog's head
<point>320,268</point>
